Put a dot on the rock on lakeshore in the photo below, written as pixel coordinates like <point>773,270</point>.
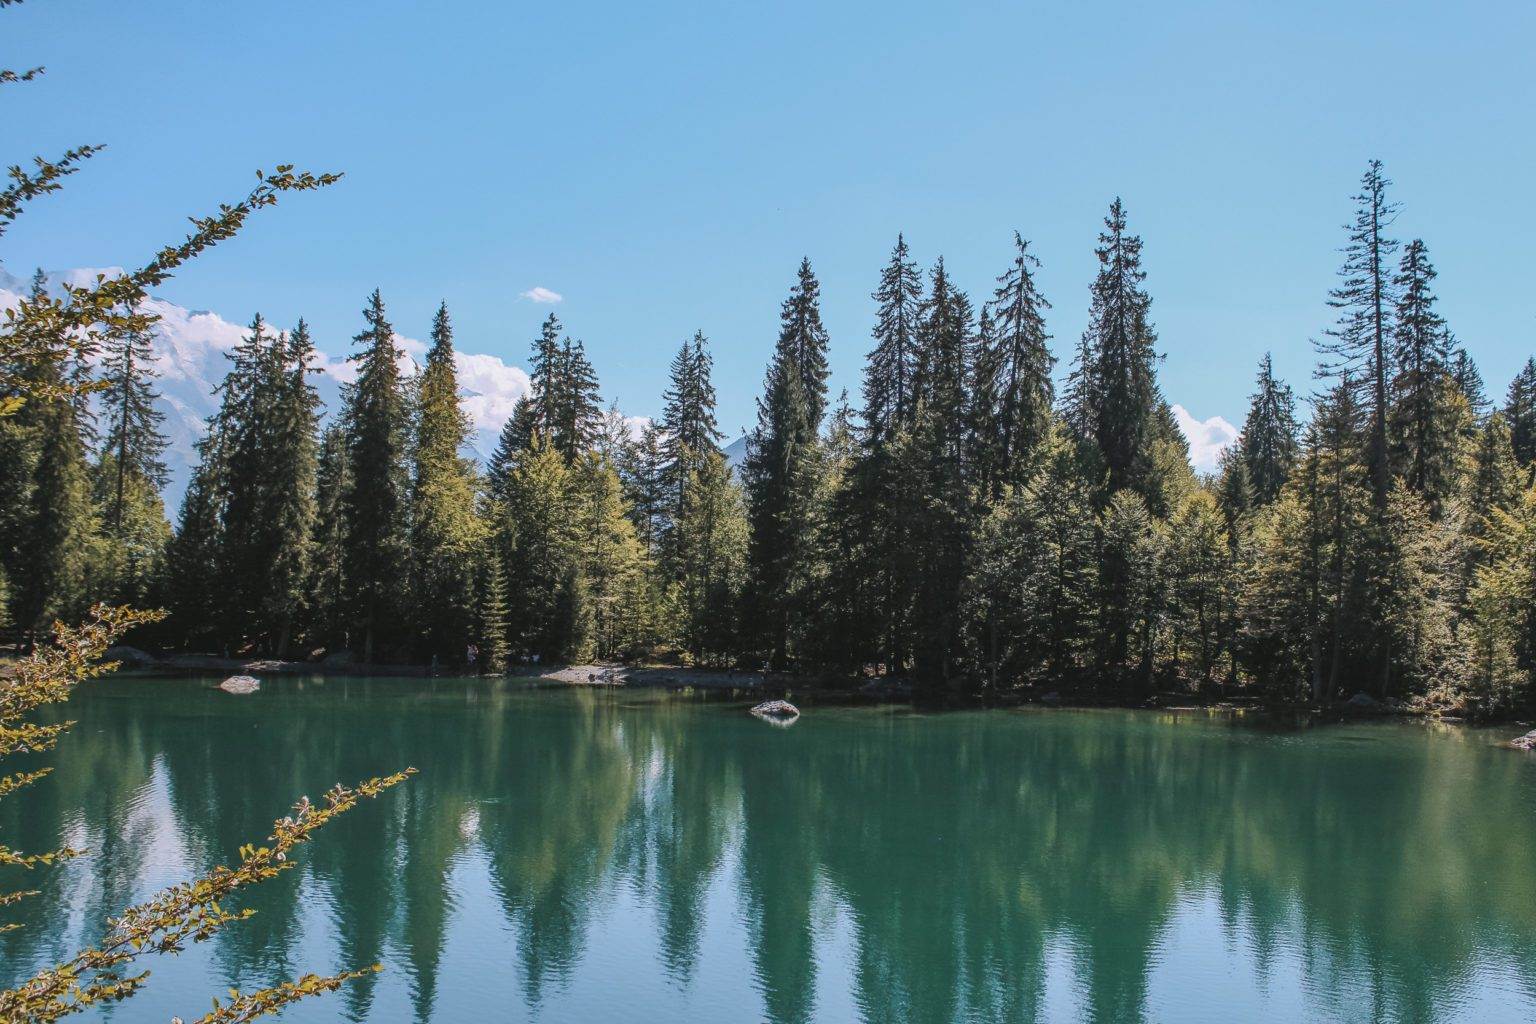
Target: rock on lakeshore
<point>779,712</point>
<point>240,684</point>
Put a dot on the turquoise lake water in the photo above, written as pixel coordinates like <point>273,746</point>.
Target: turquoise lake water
<point>594,855</point>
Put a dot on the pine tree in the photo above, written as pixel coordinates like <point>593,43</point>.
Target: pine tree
<point>1283,604</point>
<point>690,434</point>
<point>1341,490</point>
<point>327,598</point>
<point>1030,584</point>
<point>1520,411</point>
<point>539,539</point>
<point>267,420</point>
<point>1116,386</point>
<point>18,459</point>
<point>1268,443</point>
<point>134,437</point>
<point>1128,577</point>
<point>1234,487</point>
<point>290,498</point>
<point>1493,486</point>
<point>1469,381</point>
<point>1358,349</point>
<point>804,341</point>
<point>1423,439</point>
<point>51,524</point>
<point>648,490</point>
<point>1502,627</point>
<point>610,560</point>
<point>246,417</point>
<point>1080,404</point>
<point>575,406</point>
<point>1405,596</point>
<point>709,548</point>
<point>376,502</point>
<point>1018,367</point>
<point>61,524</point>
<point>195,554</point>
<point>781,470</point>
<point>129,561</point>
<point>446,531</point>
<point>935,462</point>
<point>516,437</point>
<point>1198,555</point>
<point>873,512</point>
<point>491,614</point>
<point>544,373</point>
<point>892,365</point>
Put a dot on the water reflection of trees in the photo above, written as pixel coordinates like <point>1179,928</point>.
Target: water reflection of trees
<point>962,850</point>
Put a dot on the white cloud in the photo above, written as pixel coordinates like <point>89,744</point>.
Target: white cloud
<point>538,293</point>
<point>190,349</point>
<point>1207,438</point>
<point>489,389</point>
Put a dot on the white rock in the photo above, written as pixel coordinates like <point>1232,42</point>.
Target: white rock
<point>240,684</point>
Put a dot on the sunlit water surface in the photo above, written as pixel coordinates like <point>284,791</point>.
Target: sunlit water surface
<point>580,855</point>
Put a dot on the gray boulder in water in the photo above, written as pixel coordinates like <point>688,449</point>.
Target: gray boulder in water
<point>1526,742</point>
<point>779,712</point>
<point>240,684</point>
<point>1363,702</point>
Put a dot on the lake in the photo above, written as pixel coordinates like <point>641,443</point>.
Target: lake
<point>577,855</point>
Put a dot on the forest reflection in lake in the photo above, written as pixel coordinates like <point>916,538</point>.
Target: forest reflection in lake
<point>578,855</point>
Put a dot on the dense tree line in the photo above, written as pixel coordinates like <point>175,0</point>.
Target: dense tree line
<point>964,526</point>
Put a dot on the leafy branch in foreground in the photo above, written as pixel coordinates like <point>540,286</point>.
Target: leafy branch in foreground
<point>44,329</point>
<point>9,77</point>
<point>46,179</point>
<point>191,911</point>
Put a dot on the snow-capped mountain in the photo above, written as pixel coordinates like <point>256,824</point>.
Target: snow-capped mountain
<point>191,346</point>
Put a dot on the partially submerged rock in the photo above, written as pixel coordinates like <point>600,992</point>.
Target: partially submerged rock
<point>1526,742</point>
<point>240,684</point>
<point>777,712</point>
<point>1364,702</point>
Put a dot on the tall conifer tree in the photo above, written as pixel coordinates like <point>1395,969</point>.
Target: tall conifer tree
<point>936,461</point>
<point>892,364</point>
<point>1424,441</point>
<point>376,502</point>
<point>195,580</point>
<point>328,614</point>
<point>134,437</point>
<point>1520,411</point>
<point>781,469</point>
<point>1268,443</point>
<point>1018,367</point>
<point>575,408</point>
<point>1116,387</point>
<point>1358,348</point>
<point>690,432</point>
<point>290,493</point>
<point>446,531</point>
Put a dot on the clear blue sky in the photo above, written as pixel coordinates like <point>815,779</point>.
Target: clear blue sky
<point>663,166</point>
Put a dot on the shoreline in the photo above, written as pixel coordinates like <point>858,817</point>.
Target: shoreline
<point>817,689</point>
